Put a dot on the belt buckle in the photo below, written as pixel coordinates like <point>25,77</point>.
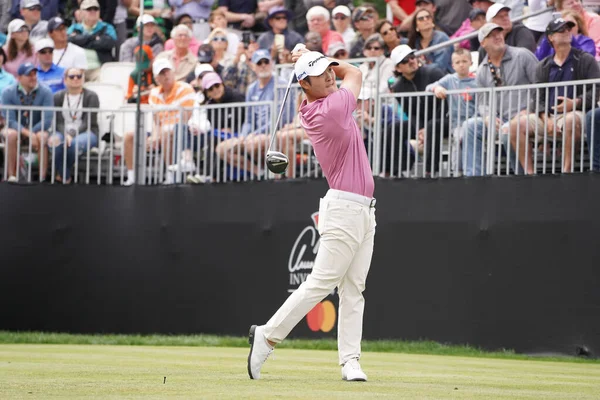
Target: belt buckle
<point>373,202</point>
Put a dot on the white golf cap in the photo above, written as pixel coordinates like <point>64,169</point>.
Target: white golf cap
<point>341,10</point>
<point>15,25</point>
<point>400,52</point>
<point>200,68</point>
<point>160,64</point>
<point>45,43</point>
<point>485,30</point>
<point>366,93</point>
<point>312,63</point>
<point>494,10</point>
<point>145,19</point>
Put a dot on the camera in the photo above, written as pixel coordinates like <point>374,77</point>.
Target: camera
<point>247,37</point>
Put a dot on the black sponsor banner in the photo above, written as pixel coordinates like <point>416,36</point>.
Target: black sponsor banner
<point>491,262</point>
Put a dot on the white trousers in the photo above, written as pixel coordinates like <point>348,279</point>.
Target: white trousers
<point>347,229</point>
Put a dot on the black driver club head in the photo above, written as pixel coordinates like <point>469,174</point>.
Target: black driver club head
<point>277,162</point>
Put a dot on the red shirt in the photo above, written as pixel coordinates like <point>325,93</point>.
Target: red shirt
<point>407,5</point>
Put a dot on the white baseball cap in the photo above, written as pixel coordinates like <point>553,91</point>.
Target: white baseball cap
<point>494,10</point>
<point>200,68</point>
<point>44,43</point>
<point>15,25</point>
<point>400,52</point>
<point>145,19</point>
<point>160,64</point>
<point>485,30</point>
<point>312,63</point>
<point>341,10</point>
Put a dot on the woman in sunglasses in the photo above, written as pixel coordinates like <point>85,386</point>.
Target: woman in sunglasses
<point>374,48</point>
<point>218,40</point>
<point>390,36</point>
<point>18,49</point>
<point>76,130</point>
<point>424,34</point>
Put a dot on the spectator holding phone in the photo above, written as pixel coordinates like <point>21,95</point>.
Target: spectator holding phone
<point>279,37</point>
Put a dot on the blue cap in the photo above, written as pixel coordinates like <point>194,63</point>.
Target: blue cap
<point>261,54</point>
<point>25,69</point>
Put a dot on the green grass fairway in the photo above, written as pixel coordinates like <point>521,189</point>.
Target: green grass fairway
<point>34,371</point>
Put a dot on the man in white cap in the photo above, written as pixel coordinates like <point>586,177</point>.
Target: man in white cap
<point>66,55</point>
<point>341,22</point>
<point>151,38</point>
<point>169,92</point>
<point>502,66</point>
<point>318,21</point>
<point>31,10</point>
<point>96,37</point>
<point>346,214</point>
<point>516,35</point>
<point>49,73</point>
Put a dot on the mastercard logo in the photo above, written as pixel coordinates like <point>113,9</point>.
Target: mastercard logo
<point>321,317</point>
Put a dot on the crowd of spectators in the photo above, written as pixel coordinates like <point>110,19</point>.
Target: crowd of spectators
<point>196,52</point>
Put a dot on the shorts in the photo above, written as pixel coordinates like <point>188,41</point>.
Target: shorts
<point>535,122</point>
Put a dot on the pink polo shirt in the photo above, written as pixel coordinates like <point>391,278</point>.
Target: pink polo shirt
<point>338,143</point>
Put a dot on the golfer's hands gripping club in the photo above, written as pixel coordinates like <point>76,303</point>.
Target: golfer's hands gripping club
<point>299,49</point>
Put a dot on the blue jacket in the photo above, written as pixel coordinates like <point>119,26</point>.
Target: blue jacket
<point>6,80</point>
<point>43,98</point>
<point>103,38</point>
<point>54,78</point>
<point>441,58</point>
<point>578,42</point>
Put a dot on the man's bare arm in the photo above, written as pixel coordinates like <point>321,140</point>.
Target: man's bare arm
<point>350,75</point>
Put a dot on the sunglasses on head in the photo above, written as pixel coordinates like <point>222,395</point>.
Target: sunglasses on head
<point>424,18</point>
<point>46,51</point>
<point>219,39</point>
<point>75,76</point>
<point>263,62</point>
<point>408,59</point>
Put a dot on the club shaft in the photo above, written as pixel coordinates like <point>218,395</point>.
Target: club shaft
<point>285,96</point>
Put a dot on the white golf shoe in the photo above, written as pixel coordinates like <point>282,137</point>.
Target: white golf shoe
<point>260,350</point>
<point>351,371</point>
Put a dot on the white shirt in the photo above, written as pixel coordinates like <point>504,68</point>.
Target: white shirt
<point>72,117</point>
<point>348,36</point>
<point>74,57</point>
<point>539,22</point>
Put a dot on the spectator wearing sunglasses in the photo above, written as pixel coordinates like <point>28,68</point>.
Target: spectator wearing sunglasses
<point>364,22</point>
<point>423,125</point>
<point>338,51</point>
<point>254,139</point>
<point>96,37</point>
<point>31,10</point>
<point>390,36</point>
<point>503,65</point>
<point>49,9</point>
<point>219,43</point>
<point>580,40</point>
<point>560,110</point>
<point>277,22</point>
<point>18,49</point>
<point>216,20</point>
<point>76,130</point>
<point>341,22</point>
<point>374,48</point>
<point>49,73</point>
<point>424,34</point>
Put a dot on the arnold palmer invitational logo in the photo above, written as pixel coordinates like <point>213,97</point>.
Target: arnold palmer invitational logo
<point>302,259</point>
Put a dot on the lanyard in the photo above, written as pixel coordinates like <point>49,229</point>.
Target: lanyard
<point>73,116</point>
<point>63,54</point>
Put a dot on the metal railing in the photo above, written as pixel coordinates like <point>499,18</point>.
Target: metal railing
<point>406,135</point>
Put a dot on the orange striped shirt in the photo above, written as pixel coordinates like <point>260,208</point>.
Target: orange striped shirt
<point>182,95</point>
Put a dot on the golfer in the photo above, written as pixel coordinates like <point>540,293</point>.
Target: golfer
<point>346,214</point>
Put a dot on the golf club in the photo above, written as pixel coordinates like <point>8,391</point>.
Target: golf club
<point>277,162</point>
